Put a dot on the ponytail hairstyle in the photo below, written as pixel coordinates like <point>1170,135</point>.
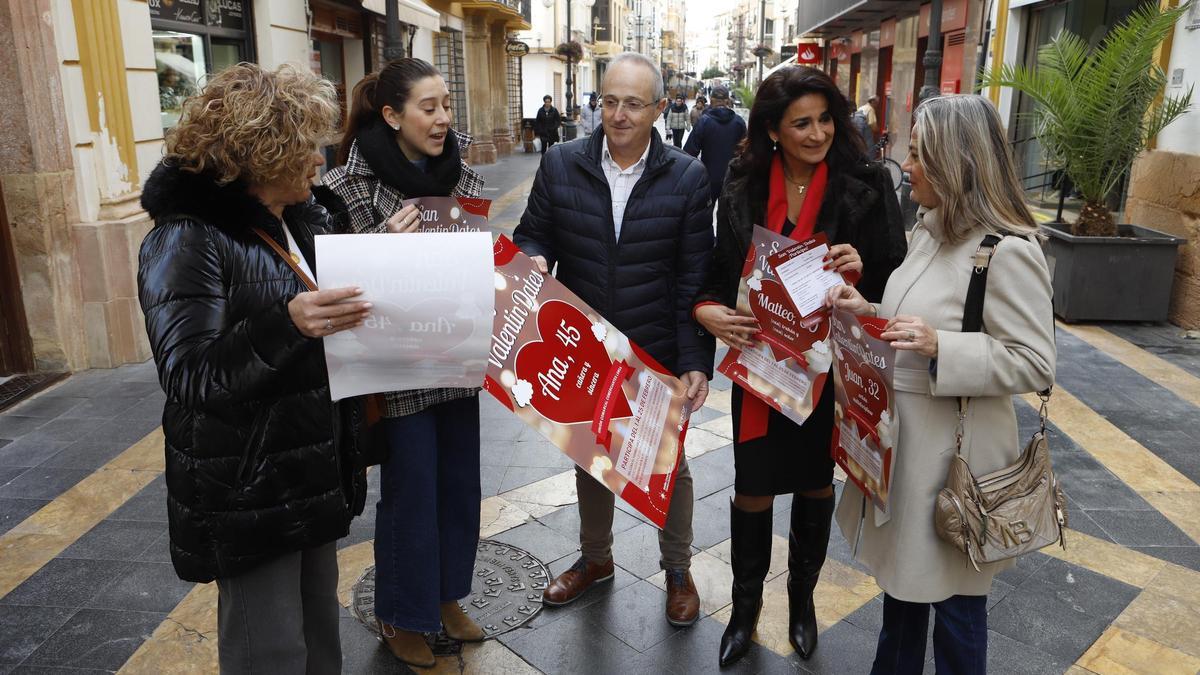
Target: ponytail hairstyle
<point>389,86</point>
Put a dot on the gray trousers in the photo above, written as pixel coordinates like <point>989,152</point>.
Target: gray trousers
<point>596,504</point>
<point>282,617</point>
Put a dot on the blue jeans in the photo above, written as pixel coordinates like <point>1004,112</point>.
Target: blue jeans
<point>959,636</point>
<point>427,518</point>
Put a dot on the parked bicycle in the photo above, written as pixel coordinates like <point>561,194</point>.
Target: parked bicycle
<point>879,150</point>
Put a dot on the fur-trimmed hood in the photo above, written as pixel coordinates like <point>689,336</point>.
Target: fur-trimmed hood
<point>172,192</point>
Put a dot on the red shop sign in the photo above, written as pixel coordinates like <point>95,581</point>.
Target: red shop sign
<point>808,54</point>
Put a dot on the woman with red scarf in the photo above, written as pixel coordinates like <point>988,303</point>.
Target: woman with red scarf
<point>801,170</point>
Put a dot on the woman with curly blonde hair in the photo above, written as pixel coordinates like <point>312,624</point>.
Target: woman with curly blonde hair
<point>259,484</point>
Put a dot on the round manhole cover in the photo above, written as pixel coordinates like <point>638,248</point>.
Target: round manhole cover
<point>506,589</point>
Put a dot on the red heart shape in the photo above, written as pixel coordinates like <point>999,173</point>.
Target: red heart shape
<point>773,308</point>
<point>553,366</point>
<point>865,390</point>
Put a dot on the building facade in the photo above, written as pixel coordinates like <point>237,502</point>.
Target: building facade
<point>877,48</point>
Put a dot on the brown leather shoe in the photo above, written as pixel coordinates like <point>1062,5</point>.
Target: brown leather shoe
<point>458,625</point>
<point>407,646</point>
<point>568,586</point>
<point>683,602</point>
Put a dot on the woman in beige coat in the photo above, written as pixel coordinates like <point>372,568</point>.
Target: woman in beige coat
<point>963,178</point>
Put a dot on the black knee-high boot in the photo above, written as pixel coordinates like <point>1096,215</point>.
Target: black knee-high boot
<point>750,545</point>
<point>807,544</point>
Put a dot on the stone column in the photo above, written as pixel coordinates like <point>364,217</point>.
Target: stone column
<point>38,177</point>
<point>502,134</point>
<point>479,88</point>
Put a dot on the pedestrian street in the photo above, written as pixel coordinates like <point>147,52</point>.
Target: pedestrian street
<point>86,584</point>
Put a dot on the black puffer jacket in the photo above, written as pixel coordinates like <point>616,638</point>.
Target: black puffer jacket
<point>859,209</point>
<point>252,468</point>
<point>644,284</point>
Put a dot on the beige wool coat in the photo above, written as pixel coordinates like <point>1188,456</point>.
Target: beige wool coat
<point>1014,354</point>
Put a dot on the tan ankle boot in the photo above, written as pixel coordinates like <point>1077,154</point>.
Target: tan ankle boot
<point>458,625</point>
<point>407,646</point>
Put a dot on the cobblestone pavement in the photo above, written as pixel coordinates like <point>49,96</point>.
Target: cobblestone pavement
<point>86,584</point>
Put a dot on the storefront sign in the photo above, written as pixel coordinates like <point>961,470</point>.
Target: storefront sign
<point>887,33</point>
<point>227,13</point>
<point>184,11</point>
<point>808,54</point>
<point>516,48</point>
<point>954,17</point>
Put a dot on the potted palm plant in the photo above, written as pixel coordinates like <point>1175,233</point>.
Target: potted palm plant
<point>1097,109</point>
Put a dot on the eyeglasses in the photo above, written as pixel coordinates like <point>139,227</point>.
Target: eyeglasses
<point>631,105</point>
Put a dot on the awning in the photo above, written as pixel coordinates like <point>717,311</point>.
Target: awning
<point>413,12</point>
<point>834,18</point>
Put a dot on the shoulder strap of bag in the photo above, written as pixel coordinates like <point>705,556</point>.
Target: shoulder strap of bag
<point>287,258</point>
<point>973,321</point>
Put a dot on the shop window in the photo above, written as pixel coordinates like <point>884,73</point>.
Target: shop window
<point>448,58</point>
<point>180,61</point>
<point>192,39</point>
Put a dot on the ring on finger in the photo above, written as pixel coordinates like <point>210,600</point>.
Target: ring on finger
<point>328,324</point>
<point>912,337</point>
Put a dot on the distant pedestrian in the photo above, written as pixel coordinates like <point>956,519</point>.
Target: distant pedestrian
<point>590,116</point>
<point>677,121</point>
<point>260,485</point>
<point>547,123</point>
<point>697,110</point>
<point>866,120</point>
<point>715,138</point>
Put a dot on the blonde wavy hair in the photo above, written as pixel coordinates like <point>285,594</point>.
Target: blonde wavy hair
<point>962,147</point>
<point>255,125</point>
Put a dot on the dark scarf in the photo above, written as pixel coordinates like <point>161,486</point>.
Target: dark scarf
<point>377,143</point>
<point>679,107</point>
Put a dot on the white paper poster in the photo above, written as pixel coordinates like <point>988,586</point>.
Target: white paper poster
<point>431,323</point>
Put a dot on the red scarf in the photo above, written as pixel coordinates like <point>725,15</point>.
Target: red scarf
<point>755,411</point>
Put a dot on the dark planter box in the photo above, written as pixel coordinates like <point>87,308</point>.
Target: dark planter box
<point>1123,278</point>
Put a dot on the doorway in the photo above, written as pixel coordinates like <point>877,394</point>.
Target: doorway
<point>16,349</point>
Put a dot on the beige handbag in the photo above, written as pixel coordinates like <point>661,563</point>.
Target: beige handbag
<point>1015,510</point>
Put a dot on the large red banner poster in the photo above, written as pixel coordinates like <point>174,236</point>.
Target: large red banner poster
<point>864,407</point>
<point>789,363</point>
<point>569,374</point>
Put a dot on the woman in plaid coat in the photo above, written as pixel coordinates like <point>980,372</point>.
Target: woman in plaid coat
<point>398,144</point>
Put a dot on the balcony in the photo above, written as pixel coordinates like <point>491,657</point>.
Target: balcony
<point>515,13</point>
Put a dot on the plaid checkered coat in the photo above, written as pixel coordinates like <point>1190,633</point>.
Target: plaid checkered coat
<point>367,204</point>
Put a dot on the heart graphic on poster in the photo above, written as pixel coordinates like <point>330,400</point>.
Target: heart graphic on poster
<point>553,364</point>
<point>867,392</point>
<point>771,304</point>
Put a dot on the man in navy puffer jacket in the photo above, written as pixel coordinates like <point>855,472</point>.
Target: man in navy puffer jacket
<point>715,138</point>
<point>628,221</point>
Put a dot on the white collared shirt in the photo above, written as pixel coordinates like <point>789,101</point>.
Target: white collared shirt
<point>621,182</point>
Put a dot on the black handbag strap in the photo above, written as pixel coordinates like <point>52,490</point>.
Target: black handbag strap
<point>973,319</point>
<point>973,309</point>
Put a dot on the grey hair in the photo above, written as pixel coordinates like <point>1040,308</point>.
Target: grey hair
<point>962,147</point>
<point>660,90</point>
